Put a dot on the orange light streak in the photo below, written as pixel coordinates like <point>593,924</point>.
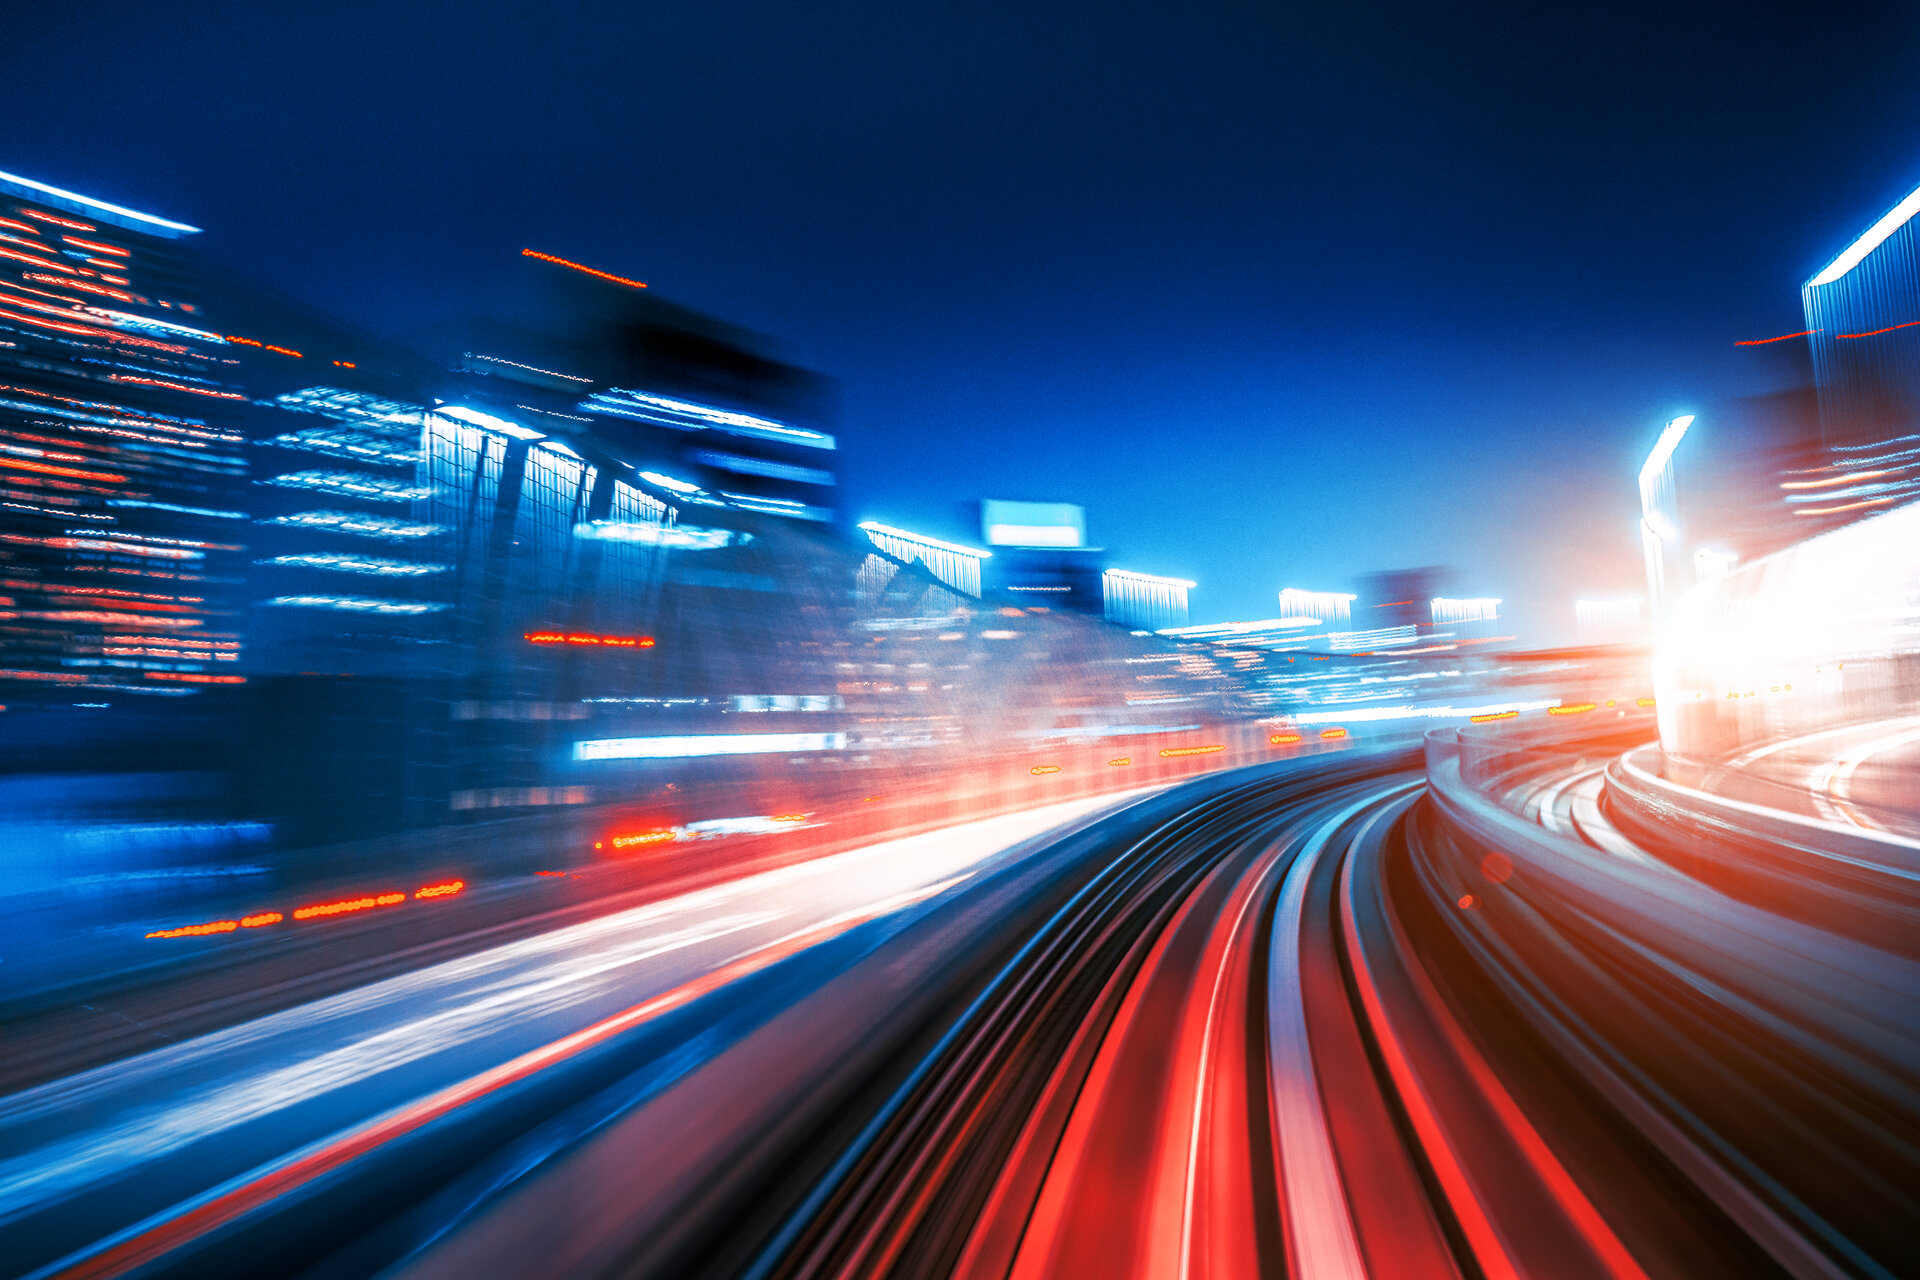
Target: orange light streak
<point>1761,342</point>
<point>178,386</point>
<point>1119,761</point>
<point>587,638</point>
<point>1850,506</point>
<point>347,905</point>
<point>1333,733</point>
<point>38,262</point>
<point>116,294</point>
<point>1039,769</point>
<point>197,930</point>
<point>58,221</point>
<point>1645,702</point>
<point>641,839</point>
<point>1168,753</point>
<point>444,890</point>
<point>82,330</point>
<point>1874,333</point>
<point>264,918</point>
<point>1283,739</point>
<point>97,247</point>
<point>194,677</point>
<point>1828,483</point>
<point>1572,710</point>
<point>41,468</point>
<point>604,275</point>
<point>1494,715</point>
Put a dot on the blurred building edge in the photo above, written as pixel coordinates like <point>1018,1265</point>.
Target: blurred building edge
<point>1145,601</point>
<point>583,352</point>
<point>1041,557</point>
<point>1863,316</point>
<point>124,413</point>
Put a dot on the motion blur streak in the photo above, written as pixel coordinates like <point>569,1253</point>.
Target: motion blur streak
<point>232,1118</point>
<point>1305,1018</point>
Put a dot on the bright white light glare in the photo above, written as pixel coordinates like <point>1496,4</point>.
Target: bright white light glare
<point>682,537</point>
<point>489,421</point>
<point>1472,609</point>
<point>668,482</point>
<point>1663,451</point>
<point>562,449</point>
<point>705,744</point>
<point>1709,564</point>
<point>1033,535</point>
<point>1872,239</point>
<point>144,221</point>
<point>874,526</point>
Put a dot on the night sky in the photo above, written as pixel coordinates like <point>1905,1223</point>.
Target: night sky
<point>1280,293</point>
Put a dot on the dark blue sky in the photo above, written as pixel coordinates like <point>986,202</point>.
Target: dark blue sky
<point>1280,293</point>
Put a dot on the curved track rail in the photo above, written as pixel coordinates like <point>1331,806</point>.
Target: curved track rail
<point>1320,1021</point>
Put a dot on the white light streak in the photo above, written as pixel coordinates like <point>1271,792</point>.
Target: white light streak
<point>705,744</point>
<point>146,221</point>
<point>1872,239</point>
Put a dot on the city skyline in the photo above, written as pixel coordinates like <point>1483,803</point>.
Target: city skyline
<point>1181,302</point>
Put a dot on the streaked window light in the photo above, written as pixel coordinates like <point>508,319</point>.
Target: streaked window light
<point>357,604</point>
<point>349,406</point>
<point>526,368</point>
<point>344,563</point>
<point>176,507</point>
<point>669,482</point>
<point>352,484</point>
<point>762,467</point>
<point>706,744</point>
<point>355,522</point>
<point>779,507</point>
<point>346,442</point>
<point>679,537</point>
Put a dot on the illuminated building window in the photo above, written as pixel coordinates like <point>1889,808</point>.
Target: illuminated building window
<point>358,564</point>
<point>357,604</point>
<point>352,484</point>
<point>352,522</point>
